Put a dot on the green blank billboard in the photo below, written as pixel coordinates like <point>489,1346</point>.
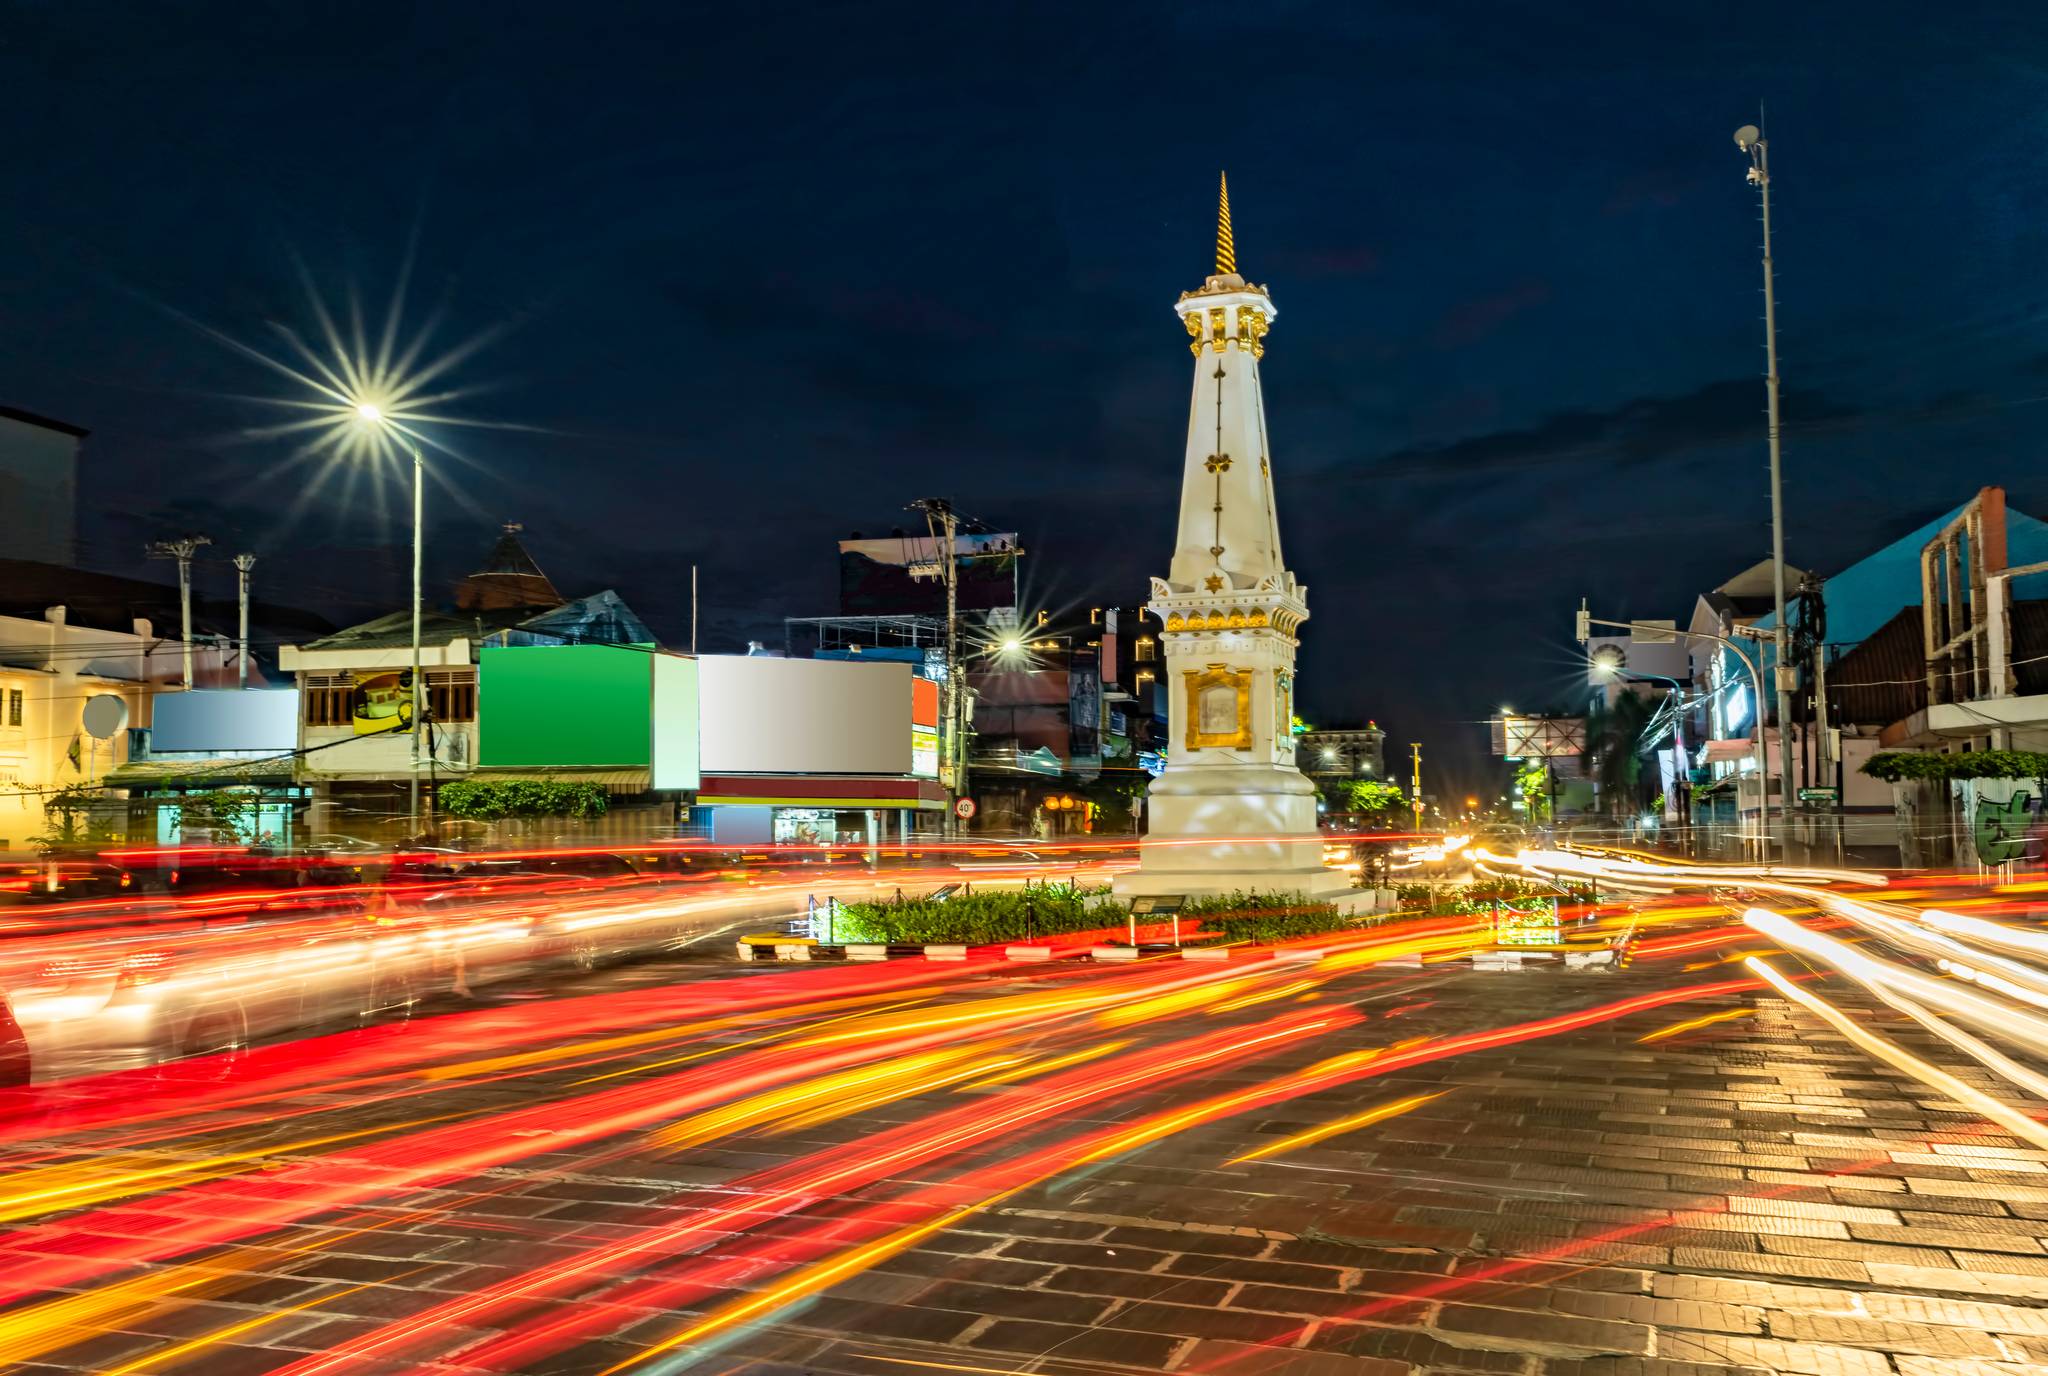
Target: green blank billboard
<point>580,706</point>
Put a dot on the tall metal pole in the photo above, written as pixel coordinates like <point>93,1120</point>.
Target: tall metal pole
<point>1415,782</point>
<point>956,674</point>
<point>243,563</point>
<point>1760,177</point>
<point>943,523</point>
<point>182,550</point>
<point>419,468</point>
<point>693,609</point>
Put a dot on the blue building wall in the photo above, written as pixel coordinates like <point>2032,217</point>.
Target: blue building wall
<point>1874,589</point>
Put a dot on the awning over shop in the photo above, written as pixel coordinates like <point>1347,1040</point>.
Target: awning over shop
<point>1723,752</point>
<point>818,790</point>
<point>618,782</point>
<point>202,773</point>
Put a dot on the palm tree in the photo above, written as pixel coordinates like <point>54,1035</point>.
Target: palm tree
<point>1615,748</point>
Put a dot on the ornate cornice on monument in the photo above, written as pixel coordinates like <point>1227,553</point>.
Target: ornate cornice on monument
<point>1272,605</point>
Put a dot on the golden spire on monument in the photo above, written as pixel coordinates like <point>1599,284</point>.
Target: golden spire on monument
<point>1226,247</point>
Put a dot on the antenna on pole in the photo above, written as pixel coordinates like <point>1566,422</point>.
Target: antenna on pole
<point>243,563</point>
<point>182,549</point>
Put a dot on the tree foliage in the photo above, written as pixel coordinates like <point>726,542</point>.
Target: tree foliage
<point>1614,748</point>
<point>1895,765</point>
<point>70,818</point>
<point>1369,796</point>
<point>1532,781</point>
<point>491,800</point>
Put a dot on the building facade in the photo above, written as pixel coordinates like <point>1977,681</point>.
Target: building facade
<point>38,487</point>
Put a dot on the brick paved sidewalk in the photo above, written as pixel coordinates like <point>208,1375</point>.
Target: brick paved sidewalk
<point>1751,1196</point>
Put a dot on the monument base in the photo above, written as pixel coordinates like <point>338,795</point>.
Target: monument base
<point>1237,828</point>
<point>1319,885</point>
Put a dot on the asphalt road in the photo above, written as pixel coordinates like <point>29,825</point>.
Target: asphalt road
<point>1332,1167</point>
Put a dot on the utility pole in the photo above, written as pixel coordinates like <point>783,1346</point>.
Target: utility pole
<point>693,609</point>
<point>243,563</point>
<point>1415,782</point>
<point>1750,139</point>
<point>944,524</point>
<point>182,549</point>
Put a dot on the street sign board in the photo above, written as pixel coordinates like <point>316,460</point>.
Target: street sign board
<point>1520,738</point>
<point>1158,903</point>
<point>1825,797</point>
<point>964,808</point>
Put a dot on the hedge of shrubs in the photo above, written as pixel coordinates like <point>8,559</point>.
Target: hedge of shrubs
<point>490,800</point>
<point>1041,910</point>
<point>980,919</point>
<point>1895,765</point>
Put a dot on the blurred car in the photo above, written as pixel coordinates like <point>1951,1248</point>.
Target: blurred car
<point>15,1063</point>
<point>59,879</point>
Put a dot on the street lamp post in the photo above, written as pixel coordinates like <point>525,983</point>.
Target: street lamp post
<point>1750,139</point>
<point>374,415</point>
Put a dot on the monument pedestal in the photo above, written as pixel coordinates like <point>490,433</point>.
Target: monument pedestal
<point>1223,828</point>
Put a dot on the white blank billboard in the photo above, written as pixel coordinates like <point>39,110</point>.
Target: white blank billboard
<point>217,721</point>
<point>675,723</point>
<point>803,716</point>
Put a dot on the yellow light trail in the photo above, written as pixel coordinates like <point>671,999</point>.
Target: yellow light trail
<point>1176,1001</point>
<point>236,1330</point>
<point>809,1280</point>
<point>894,1079</point>
<point>1031,1069</point>
<point>1694,1024</point>
<point>1393,1109</point>
<point>48,1188</point>
<point>1976,1100</point>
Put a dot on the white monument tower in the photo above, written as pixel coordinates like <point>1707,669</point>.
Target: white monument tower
<point>1231,811</point>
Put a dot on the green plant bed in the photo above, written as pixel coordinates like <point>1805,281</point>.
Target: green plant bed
<point>1044,910</point>
<point>980,919</point>
<point>1262,917</point>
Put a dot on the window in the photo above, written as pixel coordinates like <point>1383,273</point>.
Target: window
<point>327,699</point>
<point>451,695</point>
<point>14,706</point>
<point>1144,679</point>
<point>1147,648</point>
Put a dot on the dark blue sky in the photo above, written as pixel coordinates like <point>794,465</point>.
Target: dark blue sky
<point>765,273</point>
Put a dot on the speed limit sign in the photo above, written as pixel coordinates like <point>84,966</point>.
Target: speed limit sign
<point>963,808</point>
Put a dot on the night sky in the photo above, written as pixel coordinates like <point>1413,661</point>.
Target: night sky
<point>751,277</point>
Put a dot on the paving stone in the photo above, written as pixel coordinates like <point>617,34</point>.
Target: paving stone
<point>1927,1339</point>
<point>1557,1334</point>
<point>1951,1366</point>
<point>1260,1271</point>
<point>1803,1268</point>
<point>1146,1351</point>
<point>1245,1359</point>
<point>1788,1359</point>
<point>1640,1366</point>
<point>1237,1325</point>
<point>1275,1299</point>
<point>1418,1349</point>
<point>2001,1318</point>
